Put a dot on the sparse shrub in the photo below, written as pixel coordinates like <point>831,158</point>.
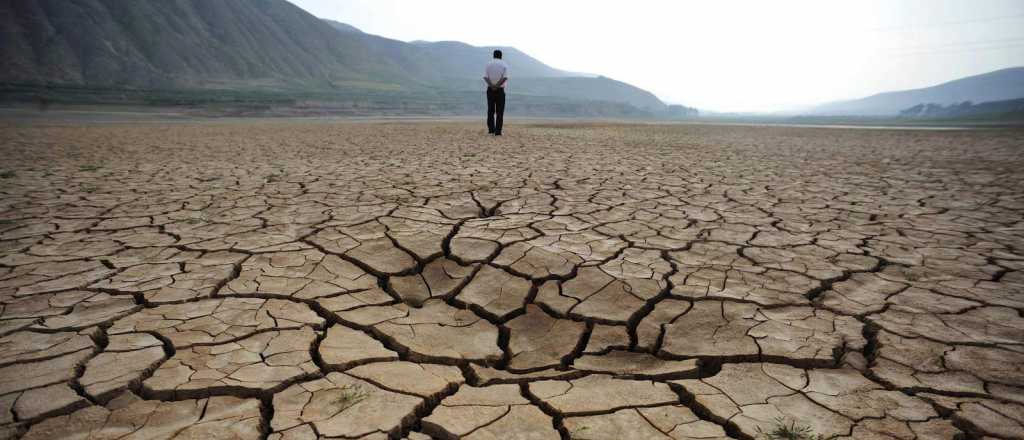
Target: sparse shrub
<point>89,168</point>
<point>89,188</point>
<point>7,174</point>
<point>910,274</point>
<point>350,395</point>
<point>577,434</point>
<point>782,429</point>
<point>202,218</point>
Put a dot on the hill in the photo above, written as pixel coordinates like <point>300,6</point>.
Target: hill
<point>182,50</point>
<point>180,44</point>
<point>993,86</point>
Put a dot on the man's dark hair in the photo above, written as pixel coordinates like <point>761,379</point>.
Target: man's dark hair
<point>497,54</point>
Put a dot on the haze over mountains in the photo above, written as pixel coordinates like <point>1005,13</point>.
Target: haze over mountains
<point>271,51</point>
<point>272,45</point>
<point>1001,85</point>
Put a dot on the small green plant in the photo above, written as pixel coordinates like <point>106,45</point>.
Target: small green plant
<point>578,432</point>
<point>202,218</point>
<point>790,430</point>
<point>351,394</point>
<point>910,274</point>
<point>7,174</point>
<point>88,168</point>
<point>89,188</point>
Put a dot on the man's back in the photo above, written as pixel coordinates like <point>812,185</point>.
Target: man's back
<point>496,70</point>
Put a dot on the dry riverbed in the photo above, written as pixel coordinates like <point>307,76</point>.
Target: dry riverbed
<point>327,279</point>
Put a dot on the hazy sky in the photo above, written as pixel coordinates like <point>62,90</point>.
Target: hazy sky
<point>726,55</point>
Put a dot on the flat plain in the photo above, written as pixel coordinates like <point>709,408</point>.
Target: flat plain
<point>304,279</point>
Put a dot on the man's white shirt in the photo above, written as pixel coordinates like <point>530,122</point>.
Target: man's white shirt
<point>496,70</point>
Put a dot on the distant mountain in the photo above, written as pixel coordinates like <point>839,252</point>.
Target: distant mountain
<point>462,59</point>
<point>995,110</point>
<point>682,111</point>
<point>524,63</point>
<point>993,86</point>
<point>599,88</point>
<point>262,46</point>
<point>457,62</point>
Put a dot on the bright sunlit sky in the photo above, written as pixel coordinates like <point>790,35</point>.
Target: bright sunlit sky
<point>723,55</point>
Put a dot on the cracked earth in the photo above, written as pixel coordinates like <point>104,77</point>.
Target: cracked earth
<point>295,280</point>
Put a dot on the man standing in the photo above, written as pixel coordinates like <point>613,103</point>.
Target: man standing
<point>496,75</point>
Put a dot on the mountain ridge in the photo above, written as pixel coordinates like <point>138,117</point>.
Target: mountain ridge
<point>343,27</point>
<point>997,85</point>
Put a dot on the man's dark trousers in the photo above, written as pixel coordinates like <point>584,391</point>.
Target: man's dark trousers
<point>495,104</point>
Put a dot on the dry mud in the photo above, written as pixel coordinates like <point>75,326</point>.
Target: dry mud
<point>316,279</point>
